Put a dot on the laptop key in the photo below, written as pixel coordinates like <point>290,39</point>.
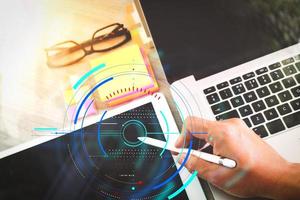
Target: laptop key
<point>248,75</point>
<point>251,84</point>
<point>245,111</point>
<point>275,126</point>
<point>284,109</point>
<point>298,65</point>
<point>295,104</point>
<point>222,85</point>
<point>250,96</point>
<point>271,101</point>
<point>284,96</point>
<point>276,75</point>
<point>264,79</point>
<point>297,57</point>
<point>274,66</point>
<point>247,121</point>
<point>288,82</point>
<point>237,101</point>
<point>263,92</point>
<point>257,119</point>
<point>209,90</point>
<point>235,80</point>
<point>288,70</point>
<point>238,89</point>
<point>261,131</point>
<point>220,107</point>
<point>261,70</point>
<point>276,87</point>
<point>271,114</point>
<point>296,91</point>
<point>288,61</point>
<point>225,94</point>
<point>228,115</point>
<point>292,119</point>
<point>258,106</point>
<point>297,76</point>
<point>213,98</point>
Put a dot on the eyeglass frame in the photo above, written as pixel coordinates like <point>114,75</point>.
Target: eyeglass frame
<point>118,31</point>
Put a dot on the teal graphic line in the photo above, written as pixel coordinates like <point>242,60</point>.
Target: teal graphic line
<point>171,196</point>
<point>183,124</point>
<point>168,136</point>
<point>85,76</point>
<point>45,129</point>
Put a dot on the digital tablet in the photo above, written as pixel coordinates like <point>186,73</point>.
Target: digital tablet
<point>102,160</point>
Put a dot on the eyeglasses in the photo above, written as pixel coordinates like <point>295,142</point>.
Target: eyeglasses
<point>104,39</point>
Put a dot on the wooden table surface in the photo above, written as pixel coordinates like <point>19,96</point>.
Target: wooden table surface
<point>30,92</point>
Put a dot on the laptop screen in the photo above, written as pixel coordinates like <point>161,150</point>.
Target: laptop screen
<point>202,38</point>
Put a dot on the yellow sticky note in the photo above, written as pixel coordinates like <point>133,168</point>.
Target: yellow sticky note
<point>131,75</point>
<point>69,97</point>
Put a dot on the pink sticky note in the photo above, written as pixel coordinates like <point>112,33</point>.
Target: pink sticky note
<point>92,109</point>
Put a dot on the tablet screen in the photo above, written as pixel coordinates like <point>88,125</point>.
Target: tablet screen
<point>102,161</point>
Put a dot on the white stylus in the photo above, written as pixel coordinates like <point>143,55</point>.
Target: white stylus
<point>226,162</point>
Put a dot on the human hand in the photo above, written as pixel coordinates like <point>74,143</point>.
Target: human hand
<point>259,171</point>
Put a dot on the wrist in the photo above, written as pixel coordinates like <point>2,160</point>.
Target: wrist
<point>280,182</point>
<point>285,182</point>
<point>273,179</point>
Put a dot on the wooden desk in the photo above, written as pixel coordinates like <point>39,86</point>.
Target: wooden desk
<point>30,93</point>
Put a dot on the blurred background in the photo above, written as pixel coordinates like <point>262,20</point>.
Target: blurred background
<point>30,92</point>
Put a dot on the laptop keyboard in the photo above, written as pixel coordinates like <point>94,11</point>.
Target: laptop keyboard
<point>267,99</point>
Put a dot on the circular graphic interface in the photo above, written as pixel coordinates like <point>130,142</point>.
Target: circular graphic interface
<point>114,163</point>
<point>131,130</point>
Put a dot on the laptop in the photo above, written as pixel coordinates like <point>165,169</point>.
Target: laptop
<point>233,59</point>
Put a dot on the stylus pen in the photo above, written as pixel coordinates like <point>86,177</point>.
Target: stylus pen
<point>226,162</point>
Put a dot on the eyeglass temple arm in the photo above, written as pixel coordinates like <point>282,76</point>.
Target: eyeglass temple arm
<point>90,42</point>
<point>101,38</point>
<point>74,48</point>
<point>97,39</point>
